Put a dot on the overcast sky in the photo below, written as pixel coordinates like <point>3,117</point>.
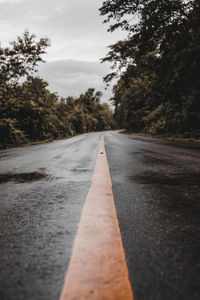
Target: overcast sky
<point>78,40</point>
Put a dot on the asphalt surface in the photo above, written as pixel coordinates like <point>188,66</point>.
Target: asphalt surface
<point>43,189</point>
<point>156,186</point>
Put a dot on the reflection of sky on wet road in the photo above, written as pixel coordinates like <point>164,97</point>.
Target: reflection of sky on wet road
<point>62,160</point>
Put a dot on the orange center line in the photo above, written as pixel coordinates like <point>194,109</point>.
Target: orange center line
<point>98,268</point>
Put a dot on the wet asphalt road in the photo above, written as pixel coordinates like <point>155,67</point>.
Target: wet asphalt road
<point>156,185</point>
<point>42,192</point>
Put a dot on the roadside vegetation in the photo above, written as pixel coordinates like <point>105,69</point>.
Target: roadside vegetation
<point>29,112</point>
<point>157,66</point>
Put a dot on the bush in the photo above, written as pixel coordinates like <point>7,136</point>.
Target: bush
<point>10,135</point>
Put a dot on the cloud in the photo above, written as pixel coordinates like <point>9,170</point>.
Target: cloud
<point>78,40</point>
<point>74,27</point>
<point>72,77</point>
<point>11,1</point>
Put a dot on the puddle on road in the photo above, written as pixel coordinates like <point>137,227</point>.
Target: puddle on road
<point>24,177</point>
<point>79,170</point>
<point>172,179</point>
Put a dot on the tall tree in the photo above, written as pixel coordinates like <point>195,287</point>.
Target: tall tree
<point>21,58</point>
<point>158,62</point>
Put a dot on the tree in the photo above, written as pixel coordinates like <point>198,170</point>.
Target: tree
<point>22,57</point>
<point>29,111</point>
<point>149,24</point>
<point>157,65</point>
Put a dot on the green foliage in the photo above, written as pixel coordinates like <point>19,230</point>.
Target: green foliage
<point>158,90</point>
<point>10,135</point>
<point>22,57</point>
<point>29,111</point>
<point>89,114</point>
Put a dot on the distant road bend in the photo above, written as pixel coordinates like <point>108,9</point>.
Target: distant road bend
<point>58,210</point>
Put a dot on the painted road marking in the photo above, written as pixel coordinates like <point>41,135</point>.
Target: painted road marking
<point>98,268</point>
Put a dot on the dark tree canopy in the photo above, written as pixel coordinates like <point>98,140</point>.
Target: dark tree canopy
<point>158,65</point>
<point>150,25</point>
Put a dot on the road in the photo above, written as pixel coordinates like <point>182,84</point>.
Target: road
<point>156,186</point>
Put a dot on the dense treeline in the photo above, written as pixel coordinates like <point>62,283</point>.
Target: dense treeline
<point>29,111</point>
<point>158,89</point>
